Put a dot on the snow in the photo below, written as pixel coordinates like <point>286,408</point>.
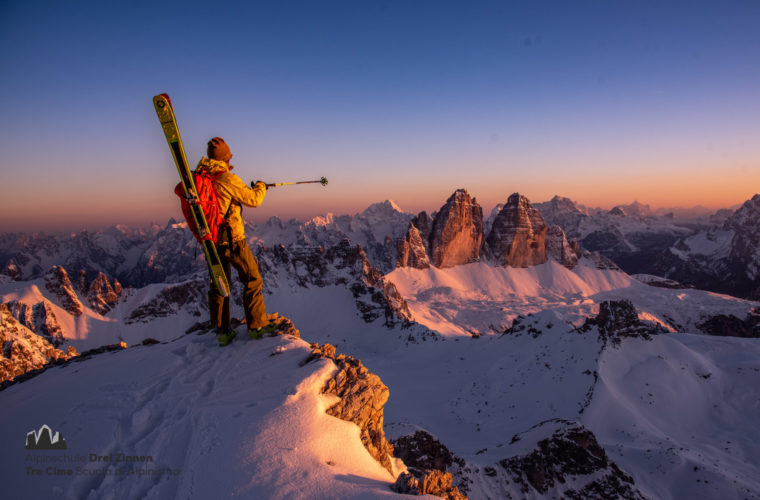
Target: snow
<point>482,298</point>
<point>715,244</point>
<point>216,423</point>
<point>679,412</point>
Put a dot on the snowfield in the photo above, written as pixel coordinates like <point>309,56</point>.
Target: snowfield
<point>480,298</point>
<point>243,422</point>
<point>677,412</point>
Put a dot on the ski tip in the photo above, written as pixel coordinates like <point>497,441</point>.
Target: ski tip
<point>160,98</point>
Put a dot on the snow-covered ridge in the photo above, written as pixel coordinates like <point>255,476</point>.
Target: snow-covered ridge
<point>480,298</point>
<point>724,257</point>
<point>186,415</point>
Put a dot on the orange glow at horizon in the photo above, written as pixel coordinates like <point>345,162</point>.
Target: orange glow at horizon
<point>57,209</point>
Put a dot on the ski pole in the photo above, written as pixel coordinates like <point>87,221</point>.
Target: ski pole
<point>322,181</point>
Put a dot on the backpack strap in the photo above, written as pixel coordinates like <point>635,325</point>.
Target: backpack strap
<point>225,227</point>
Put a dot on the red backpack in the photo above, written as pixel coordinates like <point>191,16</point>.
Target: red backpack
<point>207,199</point>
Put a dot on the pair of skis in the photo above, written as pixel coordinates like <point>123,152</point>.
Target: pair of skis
<point>169,123</point>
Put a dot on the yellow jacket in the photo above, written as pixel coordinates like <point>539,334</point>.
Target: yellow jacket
<point>232,193</point>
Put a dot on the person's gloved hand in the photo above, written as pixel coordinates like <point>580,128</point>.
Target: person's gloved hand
<point>254,184</point>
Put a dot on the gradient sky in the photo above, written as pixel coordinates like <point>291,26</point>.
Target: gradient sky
<point>605,102</point>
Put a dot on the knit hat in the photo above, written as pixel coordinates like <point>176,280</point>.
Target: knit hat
<point>218,149</point>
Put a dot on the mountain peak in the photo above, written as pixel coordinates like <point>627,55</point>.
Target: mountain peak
<point>456,234</point>
<point>518,235</point>
<point>386,207</point>
<point>746,215</point>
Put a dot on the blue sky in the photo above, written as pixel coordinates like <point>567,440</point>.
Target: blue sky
<point>605,102</point>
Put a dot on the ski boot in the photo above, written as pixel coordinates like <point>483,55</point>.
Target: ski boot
<point>224,336</point>
<point>257,333</point>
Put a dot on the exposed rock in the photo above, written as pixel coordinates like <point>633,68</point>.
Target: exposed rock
<point>190,296</point>
<point>46,323</point>
<point>427,460</point>
<point>83,282</point>
<point>618,319</point>
<point>284,325</point>
<point>570,452</point>
<point>518,235</point>
<point>565,462</point>
<point>456,235</point>
<point>659,282</point>
<point>431,482</point>
<point>101,295</point>
<point>342,264</point>
<point>600,261</point>
<point>23,350</point>
<point>723,257</point>
<point>563,212</point>
<point>362,397</point>
<point>57,282</point>
<point>167,256</point>
<point>38,318</point>
<point>411,251</point>
<point>423,451</point>
<point>730,326</point>
<point>422,222</point>
<point>617,211</point>
<point>12,271</point>
<point>559,249</point>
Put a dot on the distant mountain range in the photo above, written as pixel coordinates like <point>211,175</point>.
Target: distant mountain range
<point>714,252</point>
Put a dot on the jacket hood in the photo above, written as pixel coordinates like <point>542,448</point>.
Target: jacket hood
<point>214,166</point>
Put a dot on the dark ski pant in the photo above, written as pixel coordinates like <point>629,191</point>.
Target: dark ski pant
<point>241,258</point>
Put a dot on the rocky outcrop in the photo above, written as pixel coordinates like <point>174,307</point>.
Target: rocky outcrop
<point>284,325</point>
<point>101,296</point>
<point>343,264</point>
<point>12,271</point>
<point>563,212</point>
<point>729,325</point>
<point>456,235</point>
<point>743,262</point>
<point>190,296</point>
<point>411,251</point>
<point>618,319</point>
<point>423,222</point>
<point>427,461</point>
<point>571,451</point>
<point>558,248</point>
<point>556,459</point>
<point>23,350</point>
<point>432,482</point>
<point>39,318</point>
<point>362,398</point>
<point>167,256</point>
<point>518,235</point>
<point>58,283</point>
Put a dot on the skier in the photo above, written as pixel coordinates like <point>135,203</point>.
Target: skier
<point>232,194</point>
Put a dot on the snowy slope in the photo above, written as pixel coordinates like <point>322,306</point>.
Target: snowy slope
<point>480,298</point>
<point>91,329</point>
<point>680,413</point>
<point>659,407</point>
<point>245,421</point>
